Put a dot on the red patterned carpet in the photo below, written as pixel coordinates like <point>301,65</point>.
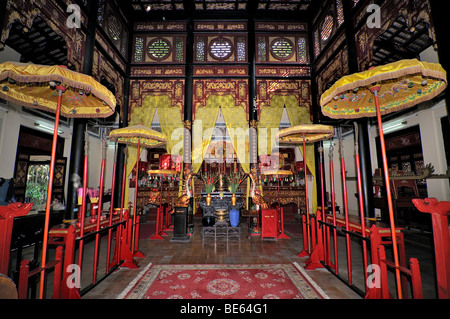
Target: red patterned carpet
<point>266,281</point>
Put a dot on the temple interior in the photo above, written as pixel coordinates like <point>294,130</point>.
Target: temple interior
<point>147,133</point>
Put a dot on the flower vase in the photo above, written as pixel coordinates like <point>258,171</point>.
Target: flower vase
<point>208,199</point>
<point>233,199</point>
<point>94,211</point>
<point>234,217</point>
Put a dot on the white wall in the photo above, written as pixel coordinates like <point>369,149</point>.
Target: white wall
<point>12,118</point>
<point>429,122</point>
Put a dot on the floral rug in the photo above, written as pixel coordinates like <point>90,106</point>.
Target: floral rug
<point>204,281</point>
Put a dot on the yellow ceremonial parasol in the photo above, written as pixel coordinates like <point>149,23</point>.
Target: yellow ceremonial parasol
<point>379,91</point>
<point>58,90</point>
<point>305,133</point>
<point>138,135</point>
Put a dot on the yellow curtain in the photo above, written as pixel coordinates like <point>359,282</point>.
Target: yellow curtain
<point>169,119</point>
<point>202,130</point>
<point>298,115</point>
<point>171,124</point>
<point>237,127</point>
<point>271,118</point>
<point>269,122</point>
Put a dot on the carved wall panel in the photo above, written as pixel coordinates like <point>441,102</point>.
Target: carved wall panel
<point>203,88</point>
<point>267,88</point>
<point>140,88</point>
<point>103,68</point>
<point>159,48</point>
<point>25,11</point>
<point>210,48</point>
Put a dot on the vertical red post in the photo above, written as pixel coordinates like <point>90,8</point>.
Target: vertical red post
<point>333,208</point>
<point>282,235</point>
<point>375,90</point>
<point>22,290</point>
<point>322,217</point>
<point>136,239</point>
<point>306,196</point>
<point>111,213</point>
<point>83,214</point>
<point>304,253</point>
<point>328,247</point>
<point>69,259</point>
<point>439,216</point>
<point>57,279</point>
<point>99,214</point>
<point>361,202</point>
<point>6,226</point>
<point>347,235</point>
<point>317,253</point>
<point>158,219</point>
<point>120,234</point>
<point>61,89</point>
<point>383,273</point>
<point>135,194</point>
<point>416,280</point>
<point>375,242</point>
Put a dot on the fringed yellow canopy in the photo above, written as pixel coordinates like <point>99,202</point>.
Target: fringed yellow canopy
<point>162,172</point>
<point>403,84</point>
<point>28,85</point>
<point>311,132</point>
<point>277,172</point>
<point>131,134</point>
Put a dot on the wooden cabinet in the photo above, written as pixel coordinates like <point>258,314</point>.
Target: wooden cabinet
<point>286,195</point>
<point>269,223</point>
<point>145,196</point>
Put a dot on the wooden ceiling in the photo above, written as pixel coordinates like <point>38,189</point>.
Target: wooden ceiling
<point>40,44</point>
<point>401,42</point>
<point>143,8</point>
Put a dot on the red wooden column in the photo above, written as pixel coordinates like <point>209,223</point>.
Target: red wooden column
<point>7,214</point>
<point>439,216</point>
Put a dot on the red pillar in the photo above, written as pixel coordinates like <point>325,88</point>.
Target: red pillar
<point>439,216</point>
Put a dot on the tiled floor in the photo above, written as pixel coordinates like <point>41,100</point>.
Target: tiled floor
<point>220,251</point>
<point>246,251</point>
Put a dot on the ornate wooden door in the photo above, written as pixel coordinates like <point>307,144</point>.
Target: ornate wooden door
<point>20,176</point>
<point>59,179</point>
